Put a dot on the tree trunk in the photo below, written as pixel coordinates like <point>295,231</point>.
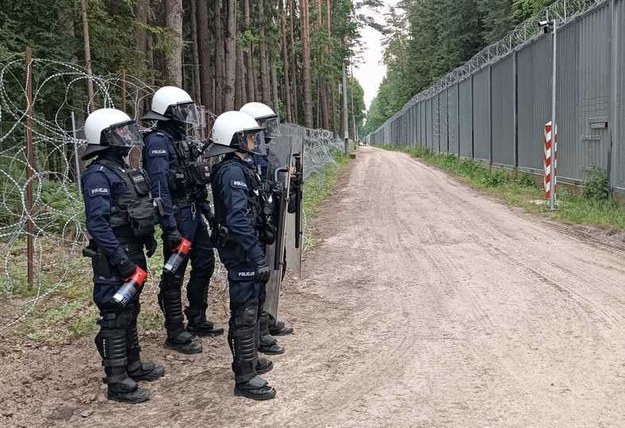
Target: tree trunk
<point>285,64</point>
<point>231,55</point>
<point>308,111</point>
<point>197,97</point>
<point>142,15</point>
<point>220,57</point>
<point>173,60</point>
<point>274,86</point>
<point>249,56</point>
<point>240,83</point>
<point>295,88</point>
<point>264,61</point>
<point>205,49</point>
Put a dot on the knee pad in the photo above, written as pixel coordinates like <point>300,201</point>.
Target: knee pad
<point>247,316</point>
<point>115,320</point>
<point>171,281</point>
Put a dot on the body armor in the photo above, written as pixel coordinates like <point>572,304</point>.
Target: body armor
<point>260,203</point>
<point>188,180</point>
<point>133,208</point>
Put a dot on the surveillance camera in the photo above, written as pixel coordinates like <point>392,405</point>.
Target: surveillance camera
<point>547,26</point>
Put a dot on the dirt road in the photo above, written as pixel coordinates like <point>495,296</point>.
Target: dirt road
<point>425,304</point>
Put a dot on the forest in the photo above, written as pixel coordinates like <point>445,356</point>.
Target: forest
<point>288,54</point>
<point>426,39</point>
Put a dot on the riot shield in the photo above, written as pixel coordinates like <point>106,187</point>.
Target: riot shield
<point>278,178</point>
<point>295,226</point>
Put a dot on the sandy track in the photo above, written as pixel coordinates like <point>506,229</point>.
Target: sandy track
<point>426,304</point>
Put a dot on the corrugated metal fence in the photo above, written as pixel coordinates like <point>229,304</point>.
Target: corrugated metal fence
<point>497,113</point>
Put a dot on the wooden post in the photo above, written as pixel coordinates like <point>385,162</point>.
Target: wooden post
<point>30,167</point>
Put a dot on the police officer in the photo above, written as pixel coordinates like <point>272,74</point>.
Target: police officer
<point>268,120</point>
<point>179,178</point>
<point>241,235</point>
<point>120,218</point>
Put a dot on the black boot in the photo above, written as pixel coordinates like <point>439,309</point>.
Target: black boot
<point>263,365</point>
<point>267,344</point>
<point>136,369</point>
<point>278,327</point>
<point>256,388</point>
<point>111,343</point>
<point>170,302</point>
<point>242,340</point>
<point>198,324</point>
<point>197,294</point>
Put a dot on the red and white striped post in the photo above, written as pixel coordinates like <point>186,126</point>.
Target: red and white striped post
<point>550,163</point>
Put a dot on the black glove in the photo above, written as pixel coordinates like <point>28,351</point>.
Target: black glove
<point>262,271</point>
<point>150,246</point>
<point>126,268</point>
<point>172,238</point>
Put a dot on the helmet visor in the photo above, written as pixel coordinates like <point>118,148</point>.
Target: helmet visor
<point>270,126</point>
<point>260,147</point>
<point>125,134</point>
<point>188,113</point>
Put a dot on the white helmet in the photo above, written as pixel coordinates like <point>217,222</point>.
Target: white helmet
<point>173,103</point>
<point>258,111</point>
<point>229,133</point>
<point>265,117</point>
<point>109,127</point>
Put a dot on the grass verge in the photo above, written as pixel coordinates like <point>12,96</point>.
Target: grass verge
<point>595,207</point>
<point>317,188</point>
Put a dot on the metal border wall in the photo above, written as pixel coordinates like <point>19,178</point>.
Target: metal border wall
<point>494,107</point>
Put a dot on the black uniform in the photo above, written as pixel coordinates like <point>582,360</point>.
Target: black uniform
<point>180,180</point>
<point>242,234</point>
<point>120,218</point>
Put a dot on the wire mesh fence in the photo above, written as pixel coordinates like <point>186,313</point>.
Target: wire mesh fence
<point>40,201</point>
<point>566,63</point>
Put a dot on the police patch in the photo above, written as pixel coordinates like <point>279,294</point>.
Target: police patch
<point>99,191</point>
<point>246,274</point>
<point>238,184</point>
<point>158,152</point>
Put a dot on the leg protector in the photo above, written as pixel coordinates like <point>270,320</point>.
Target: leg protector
<point>243,344</point>
<point>197,293</point>
<point>138,370</point>
<point>170,302</point>
<point>267,343</point>
<point>111,343</point>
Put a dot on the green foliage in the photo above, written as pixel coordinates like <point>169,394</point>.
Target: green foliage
<point>317,188</point>
<point>429,38</point>
<point>597,187</point>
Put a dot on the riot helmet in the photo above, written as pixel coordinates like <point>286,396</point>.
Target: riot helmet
<point>265,116</point>
<point>109,127</point>
<point>171,103</point>
<point>230,134</point>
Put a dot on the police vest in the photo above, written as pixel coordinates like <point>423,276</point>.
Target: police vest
<point>259,203</point>
<point>188,180</point>
<point>134,207</point>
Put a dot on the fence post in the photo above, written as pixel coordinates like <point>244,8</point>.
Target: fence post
<point>30,167</point>
<point>554,123</point>
<point>345,116</point>
<point>614,124</point>
<point>76,157</point>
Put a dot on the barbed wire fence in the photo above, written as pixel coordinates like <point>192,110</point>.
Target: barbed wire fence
<point>40,202</point>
